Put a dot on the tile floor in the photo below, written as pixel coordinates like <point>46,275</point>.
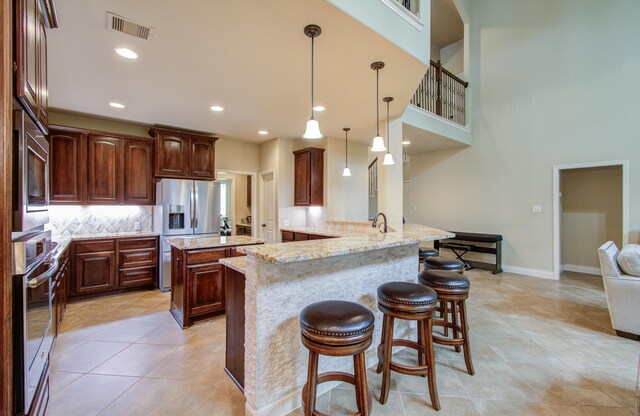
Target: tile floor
<point>540,347</point>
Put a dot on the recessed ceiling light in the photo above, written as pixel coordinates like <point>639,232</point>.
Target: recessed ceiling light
<point>318,108</point>
<point>116,105</point>
<point>216,108</point>
<point>126,53</point>
<point>263,132</point>
<point>406,142</point>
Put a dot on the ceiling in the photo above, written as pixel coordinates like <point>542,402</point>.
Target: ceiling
<point>423,141</point>
<point>250,57</point>
<point>446,24</point>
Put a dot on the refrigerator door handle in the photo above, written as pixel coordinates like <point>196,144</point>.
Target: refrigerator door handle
<point>195,208</point>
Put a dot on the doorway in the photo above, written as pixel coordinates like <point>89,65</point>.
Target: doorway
<point>268,217</point>
<point>590,208</point>
<point>236,203</point>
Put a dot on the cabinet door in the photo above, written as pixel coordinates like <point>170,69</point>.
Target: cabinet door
<point>316,178</point>
<point>105,179</point>
<point>42,83</point>
<point>27,26</point>
<point>302,186</point>
<point>206,288</point>
<point>172,156</point>
<point>95,272</point>
<point>202,158</point>
<point>138,172</point>
<point>65,167</point>
<point>249,190</point>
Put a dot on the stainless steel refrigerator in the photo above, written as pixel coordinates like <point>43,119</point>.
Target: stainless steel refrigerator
<point>184,208</point>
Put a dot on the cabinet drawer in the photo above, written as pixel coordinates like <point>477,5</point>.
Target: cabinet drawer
<point>301,237</point>
<point>137,258</point>
<point>94,246</point>
<point>132,243</point>
<point>206,256</point>
<point>287,236</point>
<point>138,277</point>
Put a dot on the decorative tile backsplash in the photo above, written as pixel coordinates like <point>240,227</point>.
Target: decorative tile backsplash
<point>75,219</point>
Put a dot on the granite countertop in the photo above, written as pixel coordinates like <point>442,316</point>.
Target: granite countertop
<point>64,241</point>
<point>350,238</point>
<point>193,243</point>
<point>236,263</point>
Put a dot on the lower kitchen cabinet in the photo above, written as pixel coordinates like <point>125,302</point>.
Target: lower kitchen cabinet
<point>206,287</point>
<point>289,236</point>
<point>95,272</point>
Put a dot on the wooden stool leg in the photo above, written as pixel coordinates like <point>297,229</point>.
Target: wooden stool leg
<point>362,388</point>
<point>445,317</point>
<point>465,335</point>
<point>384,331</point>
<point>386,364</point>
<point>454,319</point>
<point>422,357</point>
<point>312,384</point>
<point>427,327</point>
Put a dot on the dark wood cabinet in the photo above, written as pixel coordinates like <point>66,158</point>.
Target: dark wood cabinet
<point>91,167</point>
<point>289,236</point>
<point>309,177</point>
<point>60,291</point>
<point>33,18</point>
<point>249,190</point>
<point>206,287</point>
<point>243,229</point>
<point>103,266</point>
<point>104,170</point>
<point>183,155</point>
<point>138,172</point>
<point>235,283</point>
<point>66,167</point>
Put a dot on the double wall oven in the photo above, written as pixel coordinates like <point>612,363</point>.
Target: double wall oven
<point>33,265</point>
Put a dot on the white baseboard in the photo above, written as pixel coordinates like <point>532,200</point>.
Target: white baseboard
<point>544,274</point>
<point>293,400</point>
<point>581,269</point>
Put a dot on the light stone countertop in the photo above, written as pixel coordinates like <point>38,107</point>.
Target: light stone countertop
<point>65,240</point>
<point>351,237</point>
<point>238,264</point>
<point>194,243</point>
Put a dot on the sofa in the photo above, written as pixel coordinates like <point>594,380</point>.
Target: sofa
<point>623,293</point>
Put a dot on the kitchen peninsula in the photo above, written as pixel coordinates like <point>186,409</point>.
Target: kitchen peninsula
<point>197,277</point>
<point>275,281</point>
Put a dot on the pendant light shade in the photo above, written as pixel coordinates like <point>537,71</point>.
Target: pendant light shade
<point>378,141</point>
<point>313,128</point>
<point>388,157</point>
<point>346,171</point>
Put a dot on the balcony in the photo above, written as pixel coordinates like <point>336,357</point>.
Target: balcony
<point>442,93</point>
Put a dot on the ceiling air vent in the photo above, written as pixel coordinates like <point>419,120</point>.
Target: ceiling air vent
<point>124,25</point>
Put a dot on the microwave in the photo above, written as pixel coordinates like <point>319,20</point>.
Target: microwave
<point>31,175</point>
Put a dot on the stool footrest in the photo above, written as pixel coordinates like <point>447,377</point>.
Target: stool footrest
<point>337,376</point>
<point>411,370</point>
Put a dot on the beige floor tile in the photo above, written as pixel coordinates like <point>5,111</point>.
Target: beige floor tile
<point>60,379</point>
<point>619,383</point>
<point>513,408</point>
<point>88,395</point>
<point>87,356</point>
<point>494,380</point>
<point>127,330</point>
<point>159,397</point>
<point>136,360</point>
<point>189,362</point>
<point>563,410</point>
<point>322,405</point>
<point>446,378</point>
<point>420,405</point>
<point>584,353</point>
<point>521,350</point>
<point>65,345</point>
<point>343,403</point>
<point>169,334</point>
<point>480,350</point>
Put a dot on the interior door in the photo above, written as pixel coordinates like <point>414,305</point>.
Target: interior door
<point>268,226</point>
<point>207,207</point>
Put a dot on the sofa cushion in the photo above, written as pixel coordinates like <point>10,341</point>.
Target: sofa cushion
<point>629,259</point>
<point>608,254</point>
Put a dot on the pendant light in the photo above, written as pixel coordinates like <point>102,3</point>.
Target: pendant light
<point>378,141</point>
<point>388,157</point>
<point>346,171</point>
<point>313,128</point>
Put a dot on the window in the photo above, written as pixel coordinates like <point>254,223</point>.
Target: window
<point>223,199</point>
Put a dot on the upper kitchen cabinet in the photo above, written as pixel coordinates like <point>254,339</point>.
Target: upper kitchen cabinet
<point>184,155</point>
<point>33,17</point>
<point>91,167</point>
<point>309,177</point>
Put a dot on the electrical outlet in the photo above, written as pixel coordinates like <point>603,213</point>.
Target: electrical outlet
<point>137,226</point>
<point>537,209</point>
<point>286,223</point>
<point>415,208</point>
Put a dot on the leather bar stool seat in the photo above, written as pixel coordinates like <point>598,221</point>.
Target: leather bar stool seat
<point>453,290</point>
<point>423,253</point>
<point>412,302</point>
<point>337,328</point>
<point>443,263</point>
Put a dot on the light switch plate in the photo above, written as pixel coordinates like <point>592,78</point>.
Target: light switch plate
<point>537,209</point>
<point>286,223</point>
<point>137,226</point>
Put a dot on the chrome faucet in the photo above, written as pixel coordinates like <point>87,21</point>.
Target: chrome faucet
<point>384,219</point>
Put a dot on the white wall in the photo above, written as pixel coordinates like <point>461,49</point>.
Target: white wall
<point>553,82</point>
<point>346,198</point>
<point>452,57</point>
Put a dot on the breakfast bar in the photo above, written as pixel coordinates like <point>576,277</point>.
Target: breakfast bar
<point>278,280</point>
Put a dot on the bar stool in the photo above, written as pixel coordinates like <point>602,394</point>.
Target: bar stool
<point>337,328</point>
<point>424,253</point>
<point>452,289</point>
<point>413,302</point>
<point>443,263</point>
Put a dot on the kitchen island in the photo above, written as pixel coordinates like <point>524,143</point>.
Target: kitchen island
<point>197,277</point>
<point>279,280</point>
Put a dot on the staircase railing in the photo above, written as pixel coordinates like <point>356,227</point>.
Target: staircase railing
<point>442,93</point>
<point>411,5</point>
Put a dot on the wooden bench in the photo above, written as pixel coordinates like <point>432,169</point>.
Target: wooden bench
<point>463,243</point>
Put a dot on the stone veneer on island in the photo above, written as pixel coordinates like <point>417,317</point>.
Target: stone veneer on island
<point>281,279</point>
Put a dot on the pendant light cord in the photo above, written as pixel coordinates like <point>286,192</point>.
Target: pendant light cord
<point>377,102</point>
<point>346,149</point>
<point>388,127</point>
<point>312,75</point>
